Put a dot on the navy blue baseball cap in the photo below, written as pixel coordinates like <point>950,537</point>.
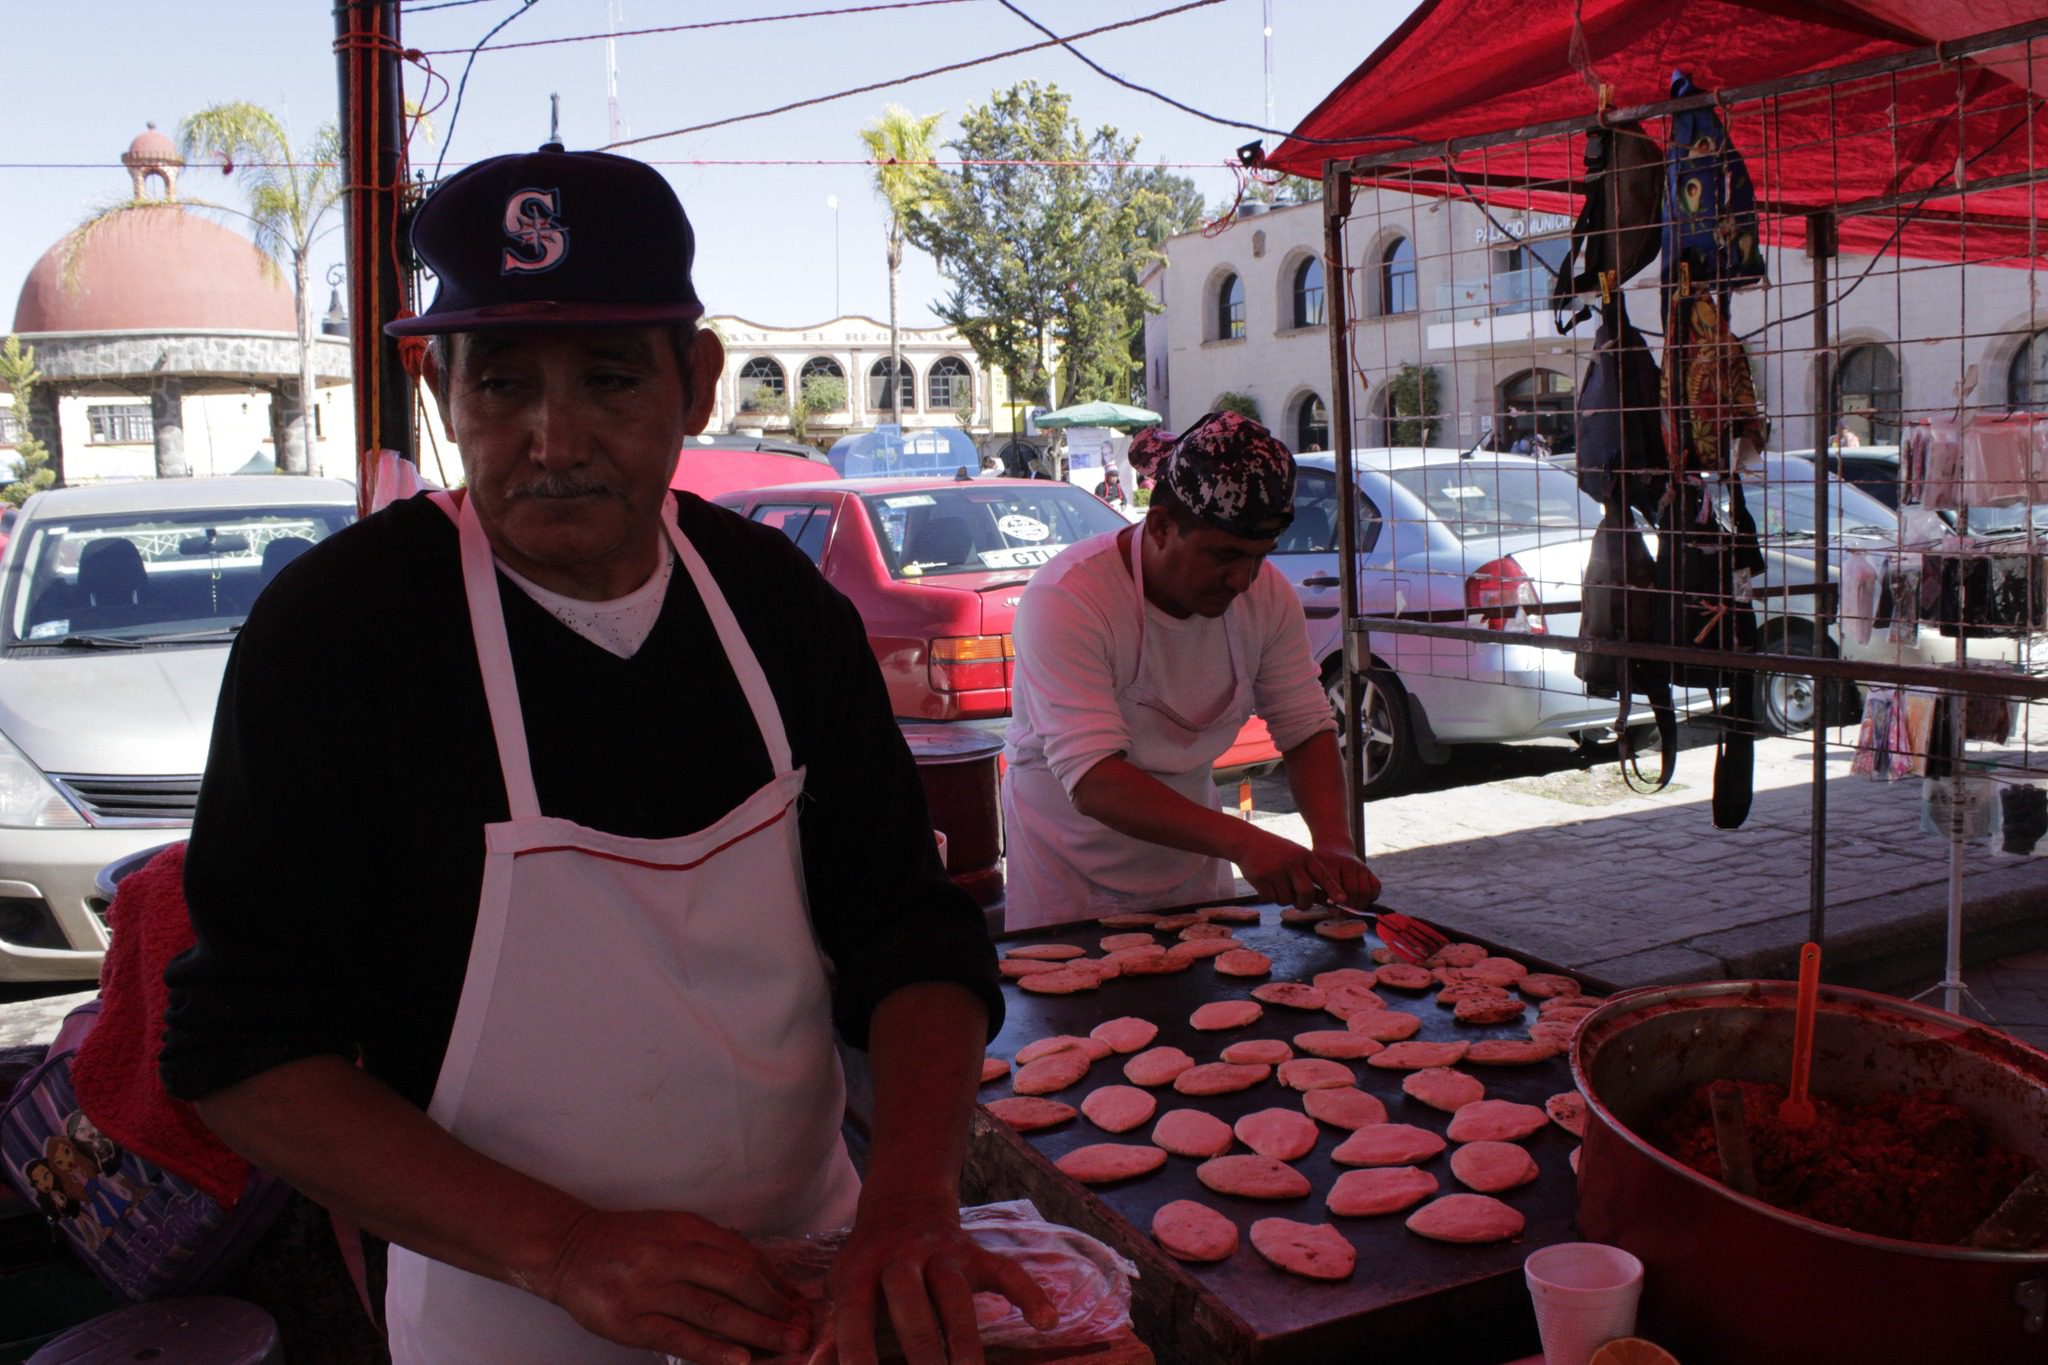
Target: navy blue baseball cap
<point>554,239</point>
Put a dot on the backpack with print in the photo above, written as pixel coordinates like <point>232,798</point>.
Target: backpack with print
<point>145,1232</point>
<point>1710,231</point>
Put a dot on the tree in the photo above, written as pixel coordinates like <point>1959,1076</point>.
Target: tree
<point>817,393</point>
<point>1167,205</point>
<point>1242,403</point>
<point>19,376</point>
<point>1042,238</point>
<point>1413,414</point>
<point>1285,189</point>
<point>290,194</point>
<point>901,146</point>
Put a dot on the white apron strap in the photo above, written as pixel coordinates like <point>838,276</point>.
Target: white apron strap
<point>494,657</point>
<point>738,653</point>
<point>501,685</point>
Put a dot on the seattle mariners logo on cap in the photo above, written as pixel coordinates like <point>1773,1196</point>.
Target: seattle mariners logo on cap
<point>494,237</point>
<point>531,221</point>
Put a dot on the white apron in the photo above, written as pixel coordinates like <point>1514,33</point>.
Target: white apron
<point>645,1023</point>
<point>1062,866</point>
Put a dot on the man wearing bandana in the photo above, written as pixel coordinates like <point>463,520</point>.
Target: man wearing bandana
<point>1140,654</point>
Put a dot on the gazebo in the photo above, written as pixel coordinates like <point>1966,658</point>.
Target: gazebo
<point>161,301</point>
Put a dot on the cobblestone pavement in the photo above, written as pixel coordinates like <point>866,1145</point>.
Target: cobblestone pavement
<point>1568,864</point>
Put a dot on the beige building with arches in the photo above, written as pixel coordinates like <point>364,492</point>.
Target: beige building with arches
<point>1445,286</point>
<point>941,384</point>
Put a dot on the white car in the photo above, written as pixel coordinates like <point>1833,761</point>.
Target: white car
<point>117,610</point>
<point>1464,538</point>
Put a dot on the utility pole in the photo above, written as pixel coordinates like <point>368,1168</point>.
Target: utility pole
<point>1269,63</point>
<point>372,107</point>
<point>614,14</point>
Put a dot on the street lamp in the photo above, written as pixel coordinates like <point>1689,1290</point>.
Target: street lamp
<point>832,203</point>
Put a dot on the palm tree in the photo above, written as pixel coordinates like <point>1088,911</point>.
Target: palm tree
<point>901,146</point>
<point>289,197</point>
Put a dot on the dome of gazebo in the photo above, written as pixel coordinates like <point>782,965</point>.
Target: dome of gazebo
<point>156,266</point>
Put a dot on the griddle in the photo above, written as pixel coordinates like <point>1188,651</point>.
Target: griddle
<point>1409,1298</point>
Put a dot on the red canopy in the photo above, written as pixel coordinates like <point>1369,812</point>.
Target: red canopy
<point>1466,68</point>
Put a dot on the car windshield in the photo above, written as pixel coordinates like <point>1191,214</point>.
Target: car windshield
<point>125,579</point>
<point>1474,499</point>
<point>2004,521</point>
<point>1780,497</point>
<point>956,528</point>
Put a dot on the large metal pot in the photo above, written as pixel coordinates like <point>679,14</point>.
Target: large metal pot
<point>958,767</point>
<point>1729,1279</point>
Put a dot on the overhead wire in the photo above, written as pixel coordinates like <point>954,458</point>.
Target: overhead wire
<point>905,80</point>
<point>1107,74</point>
<point>463,84</point>
<point>705,24</point>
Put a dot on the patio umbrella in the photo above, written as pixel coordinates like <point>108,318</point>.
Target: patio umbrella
<point>1119,416</point>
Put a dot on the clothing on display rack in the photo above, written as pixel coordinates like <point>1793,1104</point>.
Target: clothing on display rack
<point>1998,459</point>
<point>1934,464</point>
<point>1861,574</point>
<point>2024,810</point>
<point>1975,594</point>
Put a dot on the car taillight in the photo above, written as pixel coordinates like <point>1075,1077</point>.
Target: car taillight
<point>1501,595</point>
<point>971,663</point>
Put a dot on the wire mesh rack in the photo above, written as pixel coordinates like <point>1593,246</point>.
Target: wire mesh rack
<point>1805,487</point>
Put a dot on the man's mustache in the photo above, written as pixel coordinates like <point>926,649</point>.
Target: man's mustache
<point>561,486</point>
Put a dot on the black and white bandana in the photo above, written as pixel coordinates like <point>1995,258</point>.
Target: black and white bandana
<point>1233,474</point>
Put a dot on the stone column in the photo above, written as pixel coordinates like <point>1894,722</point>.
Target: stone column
<point>44,426</point>
<point>167,415</point>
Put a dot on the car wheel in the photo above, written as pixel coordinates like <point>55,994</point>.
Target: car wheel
<point>1390,758</point>
<point>1789,703</point>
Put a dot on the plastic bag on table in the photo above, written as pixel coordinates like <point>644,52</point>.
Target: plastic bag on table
<point>1089,1284</point>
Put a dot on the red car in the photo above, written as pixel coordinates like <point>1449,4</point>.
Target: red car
<point>936,568</point>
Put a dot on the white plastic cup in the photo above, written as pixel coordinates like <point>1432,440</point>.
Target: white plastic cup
<point>939,837</point>
<point>1585,1295</point>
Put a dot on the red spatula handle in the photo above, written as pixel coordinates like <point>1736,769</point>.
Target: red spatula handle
<point>1797,1101</point>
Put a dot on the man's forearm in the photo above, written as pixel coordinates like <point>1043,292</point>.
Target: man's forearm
<point>1315,776</point>
<point>1132,802</point>
<point>925,1045</point>
<point>349,1143</point>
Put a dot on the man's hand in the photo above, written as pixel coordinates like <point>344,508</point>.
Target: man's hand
<point>674,1282</point>
<point>1284,872</point>
<point>913,1254</point>
<point>1356,887</point>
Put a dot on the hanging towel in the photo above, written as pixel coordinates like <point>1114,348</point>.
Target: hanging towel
<point>114,1073</point>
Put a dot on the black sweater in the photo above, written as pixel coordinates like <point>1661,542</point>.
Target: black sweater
<point>337,854</point>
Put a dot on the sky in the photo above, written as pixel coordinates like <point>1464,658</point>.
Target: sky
<point>84,80</point>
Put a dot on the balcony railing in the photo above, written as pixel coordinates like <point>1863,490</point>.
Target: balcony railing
<point>1511,291</point>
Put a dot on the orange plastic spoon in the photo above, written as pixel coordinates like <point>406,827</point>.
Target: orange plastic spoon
<point>1796,1111</point>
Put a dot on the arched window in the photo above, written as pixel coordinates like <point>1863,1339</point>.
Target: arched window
<point>1537,402</point>
<point>878,387</point>
<point>1311,425</point>
<point>1867,393</point>
<point>2026,379</point>
<point>820,367</point>
<point>761,380</point>
<point>1230,309</point>
<point>1308,294</point>
<point>1397,278</point>
<point>949,385</point>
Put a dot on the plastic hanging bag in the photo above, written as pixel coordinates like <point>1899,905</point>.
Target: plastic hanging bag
<point>1089,1284</point>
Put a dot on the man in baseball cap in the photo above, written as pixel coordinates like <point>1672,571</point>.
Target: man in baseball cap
<point>1140,655</point>
<point>548,1007</point>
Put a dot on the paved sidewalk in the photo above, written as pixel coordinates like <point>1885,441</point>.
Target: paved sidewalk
<point>1570,865</point>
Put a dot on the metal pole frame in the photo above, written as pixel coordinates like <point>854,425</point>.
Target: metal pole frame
<point>1355,649</point>
<point>1820,249</point>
